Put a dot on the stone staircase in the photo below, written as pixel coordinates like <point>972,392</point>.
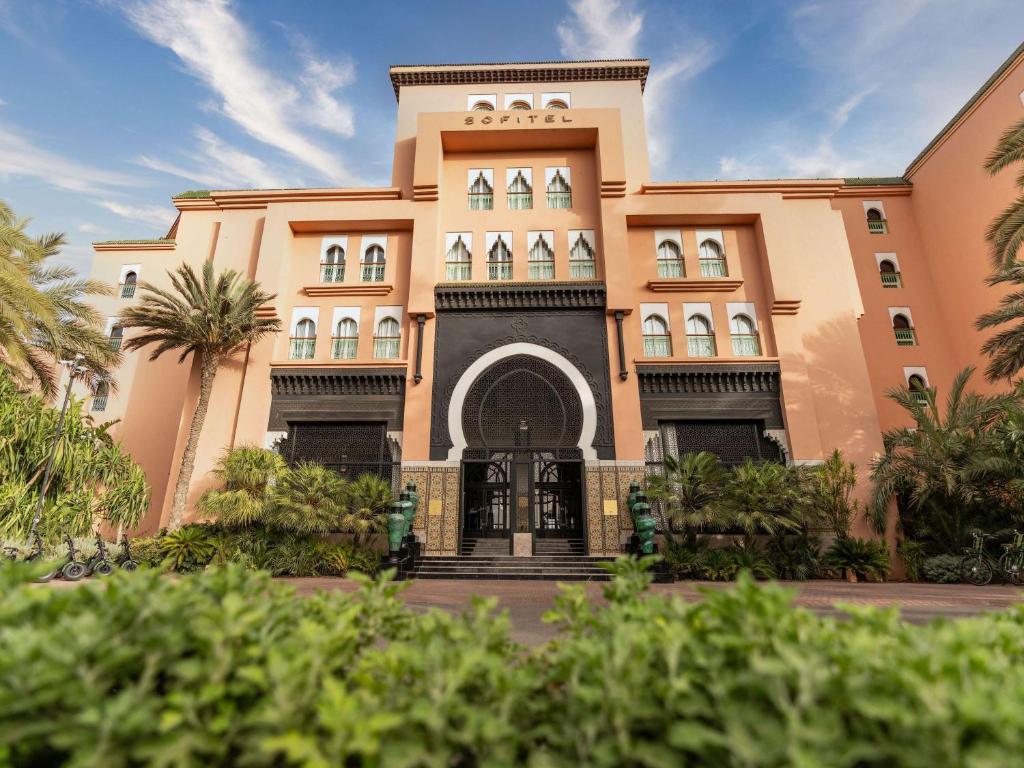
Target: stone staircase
<point>555,560</point>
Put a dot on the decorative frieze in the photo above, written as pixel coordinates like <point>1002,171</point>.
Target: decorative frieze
<point>323,381</point>
<point>478,296</point>
<point>713,379</point>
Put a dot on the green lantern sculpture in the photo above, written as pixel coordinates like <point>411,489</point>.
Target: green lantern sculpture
<point>408,512</point>
<point>644,523</point>
<point>396,528</point>
<point>634,491</point>
<point>414,497</point>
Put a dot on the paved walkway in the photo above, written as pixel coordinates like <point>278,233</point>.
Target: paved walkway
<point>526,601</point>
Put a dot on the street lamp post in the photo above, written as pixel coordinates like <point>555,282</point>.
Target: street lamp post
<point>74,367</point>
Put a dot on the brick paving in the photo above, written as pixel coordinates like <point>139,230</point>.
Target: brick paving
<point>527,601</point>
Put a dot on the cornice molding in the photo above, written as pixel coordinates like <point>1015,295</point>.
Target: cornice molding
<point>318,382</point>
<point>354,289</point>
<point>260,198</point>
<point>134,245</point>
<point>746,378</point>
<point>693,285</point>
<point>554,295</point>
<point>788,188</point>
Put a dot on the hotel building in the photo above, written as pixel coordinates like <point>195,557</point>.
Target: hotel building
<point>523,322</point>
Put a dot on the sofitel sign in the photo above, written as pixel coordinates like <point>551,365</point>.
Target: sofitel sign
<point>501,119</point>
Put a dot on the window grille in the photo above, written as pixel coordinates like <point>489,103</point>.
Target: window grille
<point>712,262</point>
<point>670,260</point>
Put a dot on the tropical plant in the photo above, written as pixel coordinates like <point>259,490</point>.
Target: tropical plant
<point>45,314</point>
<point>750,556</point>
<point>865,558</point>
<point>832,482</point>
<point>690,491</point>
<point>1005,349</point>
<point>308,498</point>
<point>1006,232</point>
<point>247,473</point>
<point>913,557</point>
<point>719,564</point>
<point>684,556</point>
<point>367,499</point>
<point>765,497</point>
<point>92,478</point>
<point>188,548</point>
<point>943,569</point>
<point>946,467</point>
<point>795,557</point>
<point>211,317</point>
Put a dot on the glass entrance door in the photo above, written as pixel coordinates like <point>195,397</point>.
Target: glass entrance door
<point>557,497</point>
<point>486,503</point>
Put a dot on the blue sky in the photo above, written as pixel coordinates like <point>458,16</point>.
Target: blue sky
<point>111,106</point>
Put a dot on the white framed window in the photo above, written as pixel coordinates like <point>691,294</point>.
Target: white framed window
<point>386,339</point>
<point>100,396</point>
<point>482,102</point>
<point>903,326</point>
<point>558,183</point>
<point>514,101</point>
<point>656,330</point>
<point>669,253</point>
<point>541,256</point>
<point>345,343</point>
<point>700,330</point>
<point>874,212</point>
<point>458,256</point>
<point>499,255</point>
<point>374,260</point>
<point>332,259</point>
<point>481,189</point>
<point>519,191</point>
<point>303,341</point>
<point>917,383</point>
<point>128,281</point>
<point>711,254</point>
<point>582,259</point>
<point>560,100</point>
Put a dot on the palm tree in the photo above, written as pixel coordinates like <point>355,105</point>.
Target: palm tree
<point>307,499</point>
<point>44,314</point>
<point>212,317</point>
<point>366,502</point>
<point>765,497</point>
<point>1006,233</point>
<point>690,491</point>
<point>1006,348</point>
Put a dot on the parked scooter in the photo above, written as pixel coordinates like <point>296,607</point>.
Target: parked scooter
<point>125,561</point>
<point>99,564</point>
<point>72,569</point>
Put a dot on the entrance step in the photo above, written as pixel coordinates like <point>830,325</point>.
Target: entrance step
<point>559,547</point>
<point>542,567</point>
<point>485,547</point>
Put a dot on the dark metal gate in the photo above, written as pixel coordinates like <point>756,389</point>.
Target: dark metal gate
<point>556,494</point>
<point>349,448</point>
<point>486,497</point>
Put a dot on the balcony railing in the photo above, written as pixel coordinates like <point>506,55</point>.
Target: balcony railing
<point>919,397</point>
<point>657,346</point>
<point>559,199</point>
<point>372,273</point>
<point>905,337</point>
<point>520,201</point>
<point>480,201</point>
<point>702,345</point>
<point>891,280</point>
<point>541,270</point>
<point>713,268</point>
<point>302,349</point>
<point>458,271</point>
<point>670,267</point>
<point>499,270</point>
<point>385,348</point>
<point>582,270</point>
<point>99,403</point>
<point>332,273</point>
<point>115,343</point>
<point>127,290</point>
<point>878,226</point>
<point>746,345</point>
<point>344,347</point>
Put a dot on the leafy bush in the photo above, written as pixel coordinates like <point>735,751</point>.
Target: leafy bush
<point>866,558</point>
<point>942,569</point>
<point>795,557</point>
<point>719,564</point>
<point>227,668</point>
<point>685,556</point>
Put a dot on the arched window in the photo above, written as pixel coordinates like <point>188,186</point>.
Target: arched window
<point>557,104</point>
<point>303,343</point>
<point>458,261</point>
<point>519,104</point>
<point>918,388</point>
<point>876,222</point>
<point>481,194</point>
<point>559,191</point>
<point>657,339</point>
<point>346,339</point>
<point>745,342</point>
<point>712,262</point>
<point>100,395</point>
<point>520,193</point>
<point>891,277</point>
<point>385,341</point>
<point>542,261</point>
<point>483,106</point>
<point>332,265</point>
<point>581,259</point>
<point>700,338</point>
<point>116,336</point>
<point>905,334</point>
<point>128,286</point>
<point>373,265</point>
<point>499,261</point>
<point>670,259</point>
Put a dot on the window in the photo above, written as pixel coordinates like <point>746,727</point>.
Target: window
<point>905,335</point>
<point>481,193</point>
<point>499,261</point>
<point>890,275</point>
<point>581,258</point>
<point>385,342</point>
<point>559,191</point>
<point>556,104</point>
<point>744,337</point>
<point>670,260</point>
<point>332,267</point>
<point>482,106</point>
<point>116,336</point>
<point>373,265</point>
<point>712,262</point>
<point>876,222</point>
<point>303,343</point>
<point>519,104</point>
<point>458,261</point>
<point>657,339</point>
<point>100,395</point>
<point>128,286</point>
<point>346,340</point>
<point>918,388</point>
<point>541,260</point>
<point>520,191</point>
<point>700,338</point>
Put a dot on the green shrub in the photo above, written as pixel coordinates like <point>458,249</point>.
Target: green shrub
<point>684,556</point>
<point>719,564</point>
<point>227,668</point>
<point>867,558</point>
<point>942,569</point>
<point>795,557</point>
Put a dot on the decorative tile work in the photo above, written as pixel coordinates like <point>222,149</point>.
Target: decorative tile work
<point>609,481</point>
<point>419,476</point>
<point>437,482</point>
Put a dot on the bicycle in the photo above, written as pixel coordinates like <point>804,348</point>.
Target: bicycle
<point>977,566</point>
<point>1011,562</point>
<point>125,561</point>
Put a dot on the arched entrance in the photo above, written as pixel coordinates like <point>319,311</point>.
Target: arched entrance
<point>522,419</point>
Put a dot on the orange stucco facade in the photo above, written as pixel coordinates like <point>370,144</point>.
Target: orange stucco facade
<point>772,334</point>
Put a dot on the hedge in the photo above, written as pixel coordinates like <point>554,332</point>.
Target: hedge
<point>226,667</point>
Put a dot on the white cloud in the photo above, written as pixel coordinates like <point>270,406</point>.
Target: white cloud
<point>157,215</point>
<point>20,157</point>
<point>322,80</point>
<point>89,229</point>
<point>600,29</point>
<point>219,50</point>
<point>662,91</point>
